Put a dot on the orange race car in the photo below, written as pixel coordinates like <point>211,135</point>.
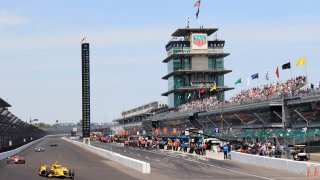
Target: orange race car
<point>16,160</point>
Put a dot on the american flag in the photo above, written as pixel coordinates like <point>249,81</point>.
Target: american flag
<point>197,4</point>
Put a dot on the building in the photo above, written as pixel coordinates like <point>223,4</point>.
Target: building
<point>195,64</point>
<point>131,120</point>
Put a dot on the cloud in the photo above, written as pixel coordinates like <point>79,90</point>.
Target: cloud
<point>7,19</point>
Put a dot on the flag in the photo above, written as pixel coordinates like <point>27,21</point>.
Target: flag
<point>197,14</point>
<point>286,66</point>
<point>248,81</point>
<point>238,81</point>
<point>266,75</point>
<point>214,87</point>
<point>83,39</point>
<point>301,61</point>
<point>277,72</point>
<point>255,76</point>
<point>197,4</point>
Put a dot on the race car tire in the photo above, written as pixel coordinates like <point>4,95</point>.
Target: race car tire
<point>47,172</point>
<point>71,173</point>
<point>23,162</point>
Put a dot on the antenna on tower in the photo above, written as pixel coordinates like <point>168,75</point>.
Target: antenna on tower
<point>187,23</point>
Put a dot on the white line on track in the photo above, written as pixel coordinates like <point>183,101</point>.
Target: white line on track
<point>218,167</point>
<point>171,164</point>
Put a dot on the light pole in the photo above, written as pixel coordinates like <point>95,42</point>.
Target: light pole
<point>32,120</point>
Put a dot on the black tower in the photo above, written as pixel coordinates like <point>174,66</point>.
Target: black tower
<point>85,90</point>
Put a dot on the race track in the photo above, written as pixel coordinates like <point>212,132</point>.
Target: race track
<point>86,165</point>
<point>164,165</point>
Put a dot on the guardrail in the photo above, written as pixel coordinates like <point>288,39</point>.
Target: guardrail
<point>299,167</point>
<point>7,154</point>
<point>135,164</point>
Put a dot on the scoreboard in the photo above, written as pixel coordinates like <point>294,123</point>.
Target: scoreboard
<point>85,90</point>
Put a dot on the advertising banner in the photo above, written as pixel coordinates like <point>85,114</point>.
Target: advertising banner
<point>199,41</point>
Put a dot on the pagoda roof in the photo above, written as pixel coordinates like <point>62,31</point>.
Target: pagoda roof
<point>186,55</point>
<point>188,31</point>
<point>182,72</point>
<point>192,88</point>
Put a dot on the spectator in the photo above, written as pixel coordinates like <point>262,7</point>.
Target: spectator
<point>225,151</point>
<point>204,148</point>
<point>185,146</point>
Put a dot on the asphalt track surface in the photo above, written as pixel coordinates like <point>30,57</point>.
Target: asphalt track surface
<point>87,166</point>
<point>166,165</point>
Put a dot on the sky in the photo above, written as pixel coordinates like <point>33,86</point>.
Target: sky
<point>40,50</point>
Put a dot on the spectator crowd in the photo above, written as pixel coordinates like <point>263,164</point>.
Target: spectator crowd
<point>265,92</point>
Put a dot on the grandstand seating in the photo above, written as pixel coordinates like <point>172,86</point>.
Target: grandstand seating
<point>13,131</point>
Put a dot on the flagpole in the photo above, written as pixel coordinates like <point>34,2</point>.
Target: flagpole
<point>305,69</point>
<point>291,72</point>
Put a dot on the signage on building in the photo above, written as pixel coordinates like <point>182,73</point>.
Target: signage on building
<point>216,130</point>
<point>199,41</point>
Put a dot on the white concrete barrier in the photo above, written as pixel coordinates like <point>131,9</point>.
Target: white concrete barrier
<point>135,164</point>
<point>6,154</point>
<point>299,167</point>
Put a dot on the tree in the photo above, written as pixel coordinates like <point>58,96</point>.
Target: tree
<point>43,125</point>
<point>80,122</point>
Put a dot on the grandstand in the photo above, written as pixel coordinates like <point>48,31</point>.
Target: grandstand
<point>131,120</point>
<point>251,118</point>
<point>13,131</point>
<point>68,127</point>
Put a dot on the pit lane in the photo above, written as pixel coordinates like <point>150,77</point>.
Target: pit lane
<point>170,166</point>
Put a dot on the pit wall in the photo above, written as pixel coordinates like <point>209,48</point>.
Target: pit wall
<point>135,164</point>
<point>299,167</point>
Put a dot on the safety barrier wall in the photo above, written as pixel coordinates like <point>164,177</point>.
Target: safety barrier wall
<point>7,154</point>
<point>135,164</point>
<point>299,167</point>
